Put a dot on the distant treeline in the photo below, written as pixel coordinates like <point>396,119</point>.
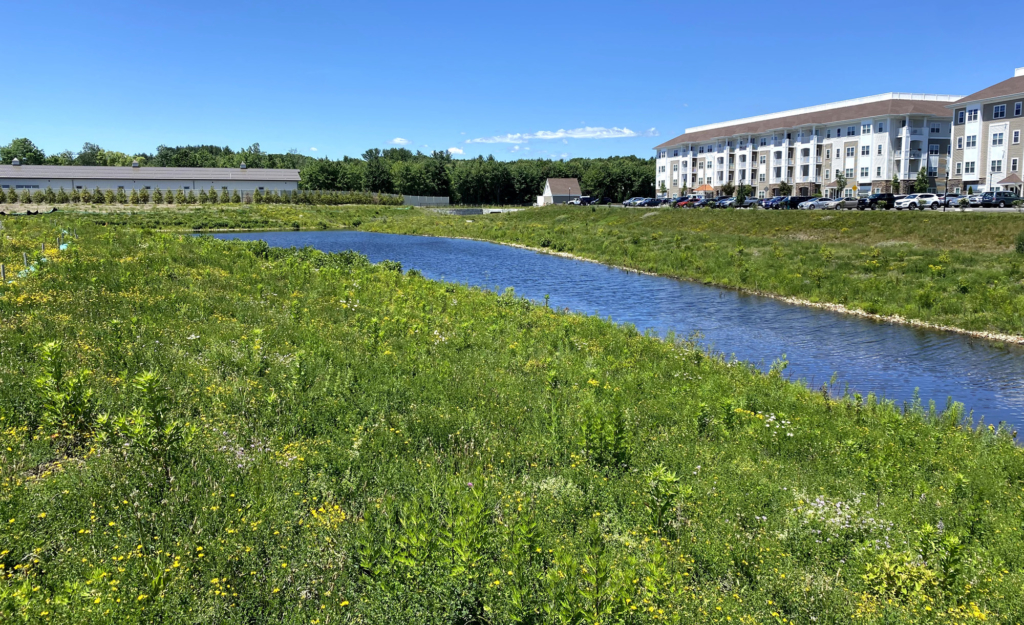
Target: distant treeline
<point>395,170</point>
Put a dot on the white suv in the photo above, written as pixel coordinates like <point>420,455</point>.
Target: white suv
<point>920,201</point>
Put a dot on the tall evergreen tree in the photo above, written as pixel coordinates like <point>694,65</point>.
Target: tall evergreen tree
<point>224,197</point>
<point>158,196</point>
<point>921,184</point>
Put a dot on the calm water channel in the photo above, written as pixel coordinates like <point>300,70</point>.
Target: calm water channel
<point>867,356</point>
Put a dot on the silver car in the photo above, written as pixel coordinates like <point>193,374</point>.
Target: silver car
<point>818,203</point>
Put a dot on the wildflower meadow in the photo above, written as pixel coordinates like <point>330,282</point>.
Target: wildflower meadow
<point>201,431</point>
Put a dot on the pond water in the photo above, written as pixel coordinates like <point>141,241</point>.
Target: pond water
<point>863,355</point>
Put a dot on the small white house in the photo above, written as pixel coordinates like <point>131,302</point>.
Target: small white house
<point>559,191</point>
<point>70,177</point>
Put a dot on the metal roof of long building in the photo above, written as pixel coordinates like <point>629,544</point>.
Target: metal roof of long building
<point>849,110</point>
<point>147,173</point>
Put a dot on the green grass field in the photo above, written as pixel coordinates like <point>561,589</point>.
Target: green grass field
<point>202,431</point>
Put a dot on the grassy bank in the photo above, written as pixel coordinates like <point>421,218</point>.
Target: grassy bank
<point>953,269</point>
<point>207,431</point>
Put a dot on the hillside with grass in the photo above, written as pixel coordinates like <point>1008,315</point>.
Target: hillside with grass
<point>205,431</point>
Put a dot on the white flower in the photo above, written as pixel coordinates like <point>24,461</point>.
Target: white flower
<point>192,337</point>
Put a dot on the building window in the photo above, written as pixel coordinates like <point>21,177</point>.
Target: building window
<point>997,138</point>
<point>999,111</point>
<point>879,149</point>
<point>77,187</point>
<point>865,129</point>
<point>960,117</point>
<point>936,127</point>
<point>865,150</point>
<point>1016,137</point>
<point>878,172</point>
<point>969,167</point>
<point>851,131</point>
<point>850,152</point>
<point>959,143</point>
<point>849,172</point>
<point>675,152</point>
<point>764,141</point>
<point>828,153</point>
<point>1017,109</point>
<point>933,148</point>
<point>881,127</point>
<point>959,168</point>
<point>864,172</point>
<point>972,115</point>
<point>147,188</point>
<point>933,171</point>
<point>760,177</point>
<point>997,166</point>
<point>1013,164</point>
<point>972,141</point>
<point>120,186</point>
<point>827,172</point>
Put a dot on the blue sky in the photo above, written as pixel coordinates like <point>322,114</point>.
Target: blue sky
<point>549,79</point>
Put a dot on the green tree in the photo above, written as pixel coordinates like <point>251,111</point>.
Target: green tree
<point>212,195</point>
<point>179,197</point>
<point>895,183</point>
<point>224,197</point>
<point>203,197</point>
<point>742,193</point>
<point>134,197</point>
<point>158,196</point>
<point>840,183</point>
<point>728,188</point>
<point>49,196</point>
<point>257,198</point>
<point>378,172</point>
<point>785,188</point>
<point>3,196</point>
<point>120,197</point>
<point>75,196</point>
<point>24,150</point>
<point>39,197</point>
<point>26,196</point>
<point>921,184</point>
<point>143,196</point>
<point>85,196</point>
<point>97,196</point>
<point>235,197</point>
<point>662,188</point>
<point>62,196</point>
<point>191,199</point>
<point>109,196</point>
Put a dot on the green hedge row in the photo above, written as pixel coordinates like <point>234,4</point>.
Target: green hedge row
<point>180,196</point>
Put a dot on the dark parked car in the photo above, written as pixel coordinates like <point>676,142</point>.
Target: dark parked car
<point>706,202</point>
<point>872,200</point>
<point>649,202</point>
<point>791,201</point>
<point>1001,199</point>
<point>772,202</point>
<point>601,200</point>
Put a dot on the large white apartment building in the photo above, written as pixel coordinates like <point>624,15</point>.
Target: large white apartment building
<point>988,150</point>
<point>866,140</point>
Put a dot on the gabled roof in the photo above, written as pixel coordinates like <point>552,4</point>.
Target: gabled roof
<point>1009,87</point>
<point>874,106</point>
<point>564,186</point>
<point>147,173</point>
<point>1011,179</point>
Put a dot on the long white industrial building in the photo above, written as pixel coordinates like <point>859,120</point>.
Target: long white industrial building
<point>16,176</point>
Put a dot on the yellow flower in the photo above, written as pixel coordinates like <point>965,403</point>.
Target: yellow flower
<point>42,515</point>
<point>344,603</point>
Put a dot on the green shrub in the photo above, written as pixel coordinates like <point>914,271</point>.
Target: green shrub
<point>225,198</point>
<point>203,197</point>
<point>235,197</point>
<point>179,197</point>
<point>85,196</point>
<point>120,196</point>
<point>68,410</point>
<point>110,197</point>
<point>158,196</point>
<point>134,197</point>
<point>143,196</point>
<point>62,196</point>
<point>191,199</point>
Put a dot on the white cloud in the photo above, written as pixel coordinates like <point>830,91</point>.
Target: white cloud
<point>587,132</point>
<point>399,141</point>
<point>312,149</point>
<point>455,151</point>
<point>515,148</point>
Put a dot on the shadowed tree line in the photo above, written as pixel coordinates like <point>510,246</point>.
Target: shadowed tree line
<point>478,180</point>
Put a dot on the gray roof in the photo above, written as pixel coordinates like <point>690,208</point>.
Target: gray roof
<point>1009,87</point>
<point>147,173</point>
<point>823,117</point>
<point>564,186</point>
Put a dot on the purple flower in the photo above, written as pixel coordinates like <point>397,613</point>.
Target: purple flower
<point>469,484</point>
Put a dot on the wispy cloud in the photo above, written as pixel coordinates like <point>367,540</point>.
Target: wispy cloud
<point>399,141</point>
<point>456,151</point>
<point>587,132</point>
<point>312,149</point>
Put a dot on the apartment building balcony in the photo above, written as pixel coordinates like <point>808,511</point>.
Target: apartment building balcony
<point>913,154</point>
<point>914,131</point>
<point>806,160</point>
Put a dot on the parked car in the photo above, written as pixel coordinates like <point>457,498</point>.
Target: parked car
<point>583,200</point>
<point>726,202</point>
<point>772,202</point>
<point>974,199</point>
<point>819,203</point>
<point>751,202</point>
<point>845,203</point>
<point>648,202</point>
<point>687,202</point>
<point>633,201</point>
<point>1001,199</point>
<point>873,200</point>
<point>706,203</point>
<point>793,201</point>
<point>919,201</point>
